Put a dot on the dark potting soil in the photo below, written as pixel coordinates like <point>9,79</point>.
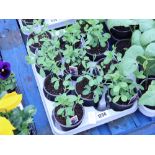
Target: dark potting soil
<point>122,28</point>
<point>80,87</point>
<point>39,44</point>
<point>50,87</point>
<point>98,50</point>
<point>78,111</point>
<point>123,45</point>
<point>80,68</point>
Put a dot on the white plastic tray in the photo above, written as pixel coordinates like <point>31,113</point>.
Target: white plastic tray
<point>92,117</point>
<point>52,24</point>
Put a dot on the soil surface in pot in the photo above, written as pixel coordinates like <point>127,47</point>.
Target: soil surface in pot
<point>98,50</point>
<point>39,44</point>
<point>78,111</point>
<point>50,87</point>
<point>123,45</point>
<point>80,87</point>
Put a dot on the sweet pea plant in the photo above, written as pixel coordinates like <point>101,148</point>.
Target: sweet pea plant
<point>95,85</point>
<point>121,88</point>
<point>94,34</point>
<point>47,56</point>
<point>67,104</point>
<point>76,57</point>
<point>72,34</point>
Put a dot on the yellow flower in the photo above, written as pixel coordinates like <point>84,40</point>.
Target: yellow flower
<point>10,102</point>
<point>6,128</point>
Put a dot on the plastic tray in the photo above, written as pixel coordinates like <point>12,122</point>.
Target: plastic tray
<point>52,24</point>
<point>92,117</point>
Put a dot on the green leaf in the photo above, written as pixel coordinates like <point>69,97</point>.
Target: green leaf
<point>60,111</point>
<point>42,72</point>
<point>85,92</point>
<point>116,89</point>
<point>116,99</point>
<point>148,98</point>
<point>124,98</point>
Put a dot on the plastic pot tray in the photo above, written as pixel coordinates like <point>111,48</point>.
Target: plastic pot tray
<point>52,24</point>
<point>92,117</point>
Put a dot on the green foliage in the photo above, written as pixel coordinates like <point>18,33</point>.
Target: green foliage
<point>129,62</point>
<point>95,85</point>
<point>67,103</point>
<point>72,34</point>
<point>66,81</point>
<point>95,36</point>
<point>8,84</point>
<point>120,87</point>
<point>145,24</point>
<point>76,56</point>
<point>120,22</point>
<point>148,98</point>
<point>136,35</point>
<point>147,37</point>
<point>21,119</point>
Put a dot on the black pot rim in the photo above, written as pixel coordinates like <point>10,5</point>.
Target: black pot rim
<point>81,96</point>
<point>101,53</point>
<point>65,126</point>
<point>29,38</point>
<point>45,88</point>
<point>146,80</point>
<point>118,41</point>
<point>121,31</point>
<point>130,101</point>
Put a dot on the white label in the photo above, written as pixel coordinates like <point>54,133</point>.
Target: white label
<point>102,115</point>
<point>91,118</point>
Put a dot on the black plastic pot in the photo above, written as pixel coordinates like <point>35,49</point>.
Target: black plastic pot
<point>88,102</point>
<point>48,95</point>
<point>34,49</point>
<point>120,107</point>
<point>99,56</point>
<point>47,72</point>
<point>121,32</point>
<point>123,44</point>
<point>64,127</point>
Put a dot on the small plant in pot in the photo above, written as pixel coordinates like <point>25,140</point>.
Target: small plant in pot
<point>122,91</point>
<point>121,28</point>
<point>72,36</point>
<point>91,88</point>
<point>76,61</point>
<point>46,57</point>
<point>96,42</point>
<point>109,63</point>
<point>147,97</point>
<point>36,39</point>
<point>69,112</point>
<point>57,83</point>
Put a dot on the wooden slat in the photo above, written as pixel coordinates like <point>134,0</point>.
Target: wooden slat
<point>121,125</point>
<point>13,50</point>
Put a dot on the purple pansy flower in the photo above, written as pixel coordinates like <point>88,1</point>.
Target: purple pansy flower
<point>4,70</point>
